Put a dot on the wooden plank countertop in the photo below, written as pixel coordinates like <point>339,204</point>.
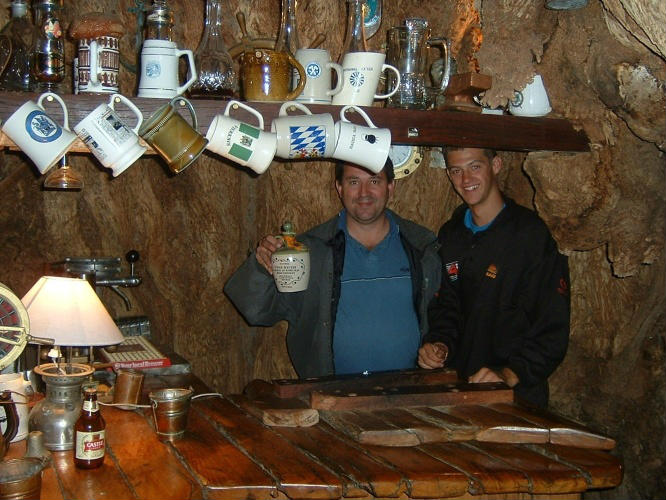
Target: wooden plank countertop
<point>228,453</point>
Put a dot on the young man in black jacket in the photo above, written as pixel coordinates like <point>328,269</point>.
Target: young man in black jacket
<point>502,312</point>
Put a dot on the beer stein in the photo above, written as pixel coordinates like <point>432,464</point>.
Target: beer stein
<point>266,75</point>
<point>159,70</point>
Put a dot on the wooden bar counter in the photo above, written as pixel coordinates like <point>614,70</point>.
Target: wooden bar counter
<point>470,449</point>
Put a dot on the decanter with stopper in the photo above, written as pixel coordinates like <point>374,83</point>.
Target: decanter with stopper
<point>20,33</point>
<point>216,75</point>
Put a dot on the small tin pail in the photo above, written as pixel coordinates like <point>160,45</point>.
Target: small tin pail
<point>170,408</point>
<point>21,479</point>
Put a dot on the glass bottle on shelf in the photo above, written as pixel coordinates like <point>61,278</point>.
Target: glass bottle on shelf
<point>355,35</point>
<point>48,51</point>
<point>159,23</point>
<point>287,40</point>
<point>215,67</point>
<point>20,33</point>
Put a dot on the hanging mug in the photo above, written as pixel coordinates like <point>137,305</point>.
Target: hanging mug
<point>113,143</point>
<point>303,136</point>
<point>37,134</point>
<point>366,146</point>
<point>240,142</point>
<point>175,140</point>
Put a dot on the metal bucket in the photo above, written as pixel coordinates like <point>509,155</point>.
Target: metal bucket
<point>21,479</point>
<point>170,408</point>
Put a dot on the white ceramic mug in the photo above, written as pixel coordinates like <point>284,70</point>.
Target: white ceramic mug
<point>532,100</point>
<point>159,70</point>
<point>37,134</point>
<point>21,389</point>
<point>303,136</point>
<point>244,144</point>
<point>367,147</point>
<point>112,142</point>
<point>360,74</point>
<point>318,65</point>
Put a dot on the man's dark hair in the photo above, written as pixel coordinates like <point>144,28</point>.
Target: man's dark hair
<point>388,170</point>
<point>489,153</point>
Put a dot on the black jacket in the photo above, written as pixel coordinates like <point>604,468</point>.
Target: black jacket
<point>504,299</point>
<point>311,313</point>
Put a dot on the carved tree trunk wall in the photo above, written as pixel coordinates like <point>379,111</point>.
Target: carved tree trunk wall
<point>604,69</point>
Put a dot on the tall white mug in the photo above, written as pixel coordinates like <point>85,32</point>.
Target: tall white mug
<point>318,65</point>
<point>303,136</point>
<point>366,146</point>
<point>159,70</point>
<point>532,100</point>
<point>37,134</point>
<point>240,142</point>
<point>360,74</point>
<point>113,143</point>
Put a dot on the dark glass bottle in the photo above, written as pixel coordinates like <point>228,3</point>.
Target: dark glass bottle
<point>89,433</point>
<point>21,33</point>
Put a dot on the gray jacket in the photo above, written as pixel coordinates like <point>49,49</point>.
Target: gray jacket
<point>311,313</point>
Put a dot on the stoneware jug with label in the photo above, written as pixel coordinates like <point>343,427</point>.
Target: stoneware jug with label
<point>291,262</point>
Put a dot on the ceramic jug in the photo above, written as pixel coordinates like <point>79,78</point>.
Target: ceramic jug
<point>291,263</point>
<point>12,421</point>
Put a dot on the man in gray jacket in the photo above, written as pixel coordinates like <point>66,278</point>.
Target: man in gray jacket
<point>372,276</point>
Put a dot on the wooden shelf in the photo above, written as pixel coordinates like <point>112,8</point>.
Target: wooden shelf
<point>423,128</point>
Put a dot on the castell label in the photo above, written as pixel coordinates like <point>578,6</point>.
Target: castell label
<point>90,445</point>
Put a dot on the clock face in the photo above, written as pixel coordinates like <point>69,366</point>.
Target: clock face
<point>13,316</point>
<point>405,159</point>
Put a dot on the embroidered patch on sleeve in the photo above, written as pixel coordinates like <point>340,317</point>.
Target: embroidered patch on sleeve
<point>452,270</point>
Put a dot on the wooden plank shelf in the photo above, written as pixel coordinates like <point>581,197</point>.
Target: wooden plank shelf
<point>416,127</point>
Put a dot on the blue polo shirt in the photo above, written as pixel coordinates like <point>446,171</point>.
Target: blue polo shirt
<point>376,327</point>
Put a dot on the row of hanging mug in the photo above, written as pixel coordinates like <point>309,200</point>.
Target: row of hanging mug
<point>298,136</point>
<point>115,144</point>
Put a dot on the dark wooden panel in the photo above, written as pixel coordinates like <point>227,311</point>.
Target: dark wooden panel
<point>291,388</point>
<point>105,482</point>
<point>361,474</point>
<point>546,474</point>
<point>149,465</point>
<point>224,471</point>
<point>297,474</point>
<point>499,427</point>
<point>368,428</point>
<point>395,397</point>
<point>491,475</point>
<point>425,128</point>
<point>259,400</point>
<point>562,430</point>
<point>601,469</point>
<point>425,476</point>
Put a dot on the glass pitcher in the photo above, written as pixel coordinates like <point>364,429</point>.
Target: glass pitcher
<point>407,50</point>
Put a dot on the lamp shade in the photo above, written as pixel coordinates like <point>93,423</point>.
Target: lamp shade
<point>69,311</point>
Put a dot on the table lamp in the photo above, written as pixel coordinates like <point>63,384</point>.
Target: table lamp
<point>69,311</point>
